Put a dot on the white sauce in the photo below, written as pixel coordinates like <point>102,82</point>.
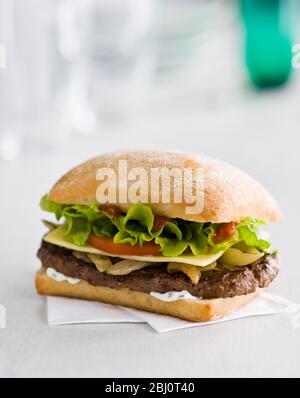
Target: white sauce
<point>58,277</point>
<point>174,296</point>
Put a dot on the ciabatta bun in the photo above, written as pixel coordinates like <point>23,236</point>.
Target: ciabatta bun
<point>229,193</point>
<point>195,311</point>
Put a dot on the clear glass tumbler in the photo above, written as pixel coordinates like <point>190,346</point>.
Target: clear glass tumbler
<point>107,45</point>
<point>32,82</point>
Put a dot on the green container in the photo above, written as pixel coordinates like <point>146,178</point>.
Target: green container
<point>268,41</point>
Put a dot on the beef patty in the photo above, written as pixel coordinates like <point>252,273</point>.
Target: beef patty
<point>213,284</point>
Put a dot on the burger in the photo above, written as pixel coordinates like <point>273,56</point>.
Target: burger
<point>167,232</point>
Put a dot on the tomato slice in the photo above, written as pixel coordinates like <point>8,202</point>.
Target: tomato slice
<point>112,211</point>
<point>107,245</point>
<point>224,232</point>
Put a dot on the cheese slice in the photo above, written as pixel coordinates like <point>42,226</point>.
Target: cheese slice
<point>56,238</point>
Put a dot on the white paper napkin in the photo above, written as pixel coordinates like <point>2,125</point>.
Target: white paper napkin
<point>62,311</point>
<point>265,304</point>
<point>65,311</point>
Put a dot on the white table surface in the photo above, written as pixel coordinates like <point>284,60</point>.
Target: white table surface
<point>259,134</point>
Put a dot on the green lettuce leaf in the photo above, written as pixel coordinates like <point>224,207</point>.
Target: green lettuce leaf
<point>51,207</point>
<point>125,237</point>
<point>248,231</point>
<point>135,228</point>
<point>171,247</point>
<point>79,229</point>
<point>171,230</point>
<point>139,218</point>
<point>103,226</point>
<point>81,220</point>
<point>199,242</point>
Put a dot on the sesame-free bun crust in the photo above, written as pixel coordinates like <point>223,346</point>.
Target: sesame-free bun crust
<point>229,193</point>
<point>195,311</point>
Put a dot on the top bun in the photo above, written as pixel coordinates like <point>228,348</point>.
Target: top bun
<point>229,193</point>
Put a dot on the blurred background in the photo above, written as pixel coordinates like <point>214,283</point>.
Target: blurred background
<point>82,77</point>
<point>74,68</point>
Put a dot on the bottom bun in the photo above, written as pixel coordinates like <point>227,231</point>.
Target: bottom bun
<point>195,311</point>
